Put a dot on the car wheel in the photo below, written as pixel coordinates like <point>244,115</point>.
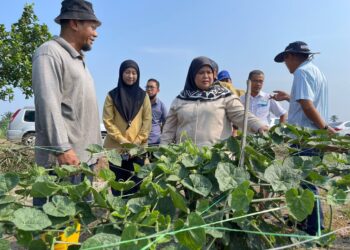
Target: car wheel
<point>29,139</point>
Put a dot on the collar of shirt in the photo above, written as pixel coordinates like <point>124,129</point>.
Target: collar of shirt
<point>302,65</point>
<point>155,102</point>
<point>261,94</point>
<point>72,51</point>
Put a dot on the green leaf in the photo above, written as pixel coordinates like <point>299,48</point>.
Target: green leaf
<point>336,196</point>
<point>241,197</point>
<point>86,169</point>
<point>233,145</point>
<point>225,176</point>
<point>64,171</point>
<point>230,176</point>
<point>24,238</point>
<point>60,206</point>
<point>106,174</point>
<point>201,184</point>
<point>300,206</point>
<point>37,245</point>
<point>44,189</point>
<point>5,199</point>
<point>178,200</point>
<point>99,198</point>
<point>102,239</point>
<point>135,205</point>
<point>129,233</point>
<point>31,219</point>
<point>94,148</point>
<point>114,157</point>
<point>122,185</point>
<point>202,205</point>
<point>335,160</point>
<point>344,181</point>
<point>118,205</point>
<point>78,192</point>
<point>282,177</point>
<point>194,238</point>
<point>188,161</point>
<point>84,212</point>
<point>5,244</point>
<point>151,219</point>
<point>8,181</point>
<point>146,170</point>
<point>6,211</point>
<point>166,207</point>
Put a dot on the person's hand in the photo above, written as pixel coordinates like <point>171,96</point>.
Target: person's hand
<point>280,96</point>
<point>331,130</point>
<point>263,129</point>
<point>68,158</point>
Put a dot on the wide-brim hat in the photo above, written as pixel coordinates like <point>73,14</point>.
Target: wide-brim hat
<point>297,47</point>
<point>77,10</point>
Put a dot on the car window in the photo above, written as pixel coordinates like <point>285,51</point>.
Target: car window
<point>347,124</point>
<point>29,116</point>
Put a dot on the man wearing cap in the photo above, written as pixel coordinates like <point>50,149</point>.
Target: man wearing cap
<point>308,106</point>
<point>225,80</point>
<point>261,105</point>
<point>67,118</point>
<point>309,96</point>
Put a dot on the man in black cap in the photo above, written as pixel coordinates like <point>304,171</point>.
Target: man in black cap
<point>67,118</point>
<point>308,106</point>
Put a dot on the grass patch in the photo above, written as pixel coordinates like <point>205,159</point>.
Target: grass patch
<point>15,158</point>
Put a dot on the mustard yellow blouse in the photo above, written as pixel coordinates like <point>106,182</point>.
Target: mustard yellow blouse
<point>117,128</point>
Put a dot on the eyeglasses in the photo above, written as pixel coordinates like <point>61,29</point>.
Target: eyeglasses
<point>257,81</point>
<point>150,87</point>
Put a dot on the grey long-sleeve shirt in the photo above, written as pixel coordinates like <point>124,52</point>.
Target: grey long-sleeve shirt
<point>65,102</point>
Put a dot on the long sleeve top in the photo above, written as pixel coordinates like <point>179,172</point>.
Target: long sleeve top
<point>118,130</point>
<point>206,123</point>
<point>66,111</point>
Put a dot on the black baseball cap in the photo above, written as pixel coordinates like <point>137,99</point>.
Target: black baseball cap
<point>297,47</point>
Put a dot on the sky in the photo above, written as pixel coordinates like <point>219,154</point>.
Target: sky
<point>163,36</point>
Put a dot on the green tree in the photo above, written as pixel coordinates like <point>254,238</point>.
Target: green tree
<point>334,118</point>
<point>4,121</point>
<point>17,47</point>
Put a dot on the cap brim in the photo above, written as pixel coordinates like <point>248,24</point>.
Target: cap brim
<point>75,17</point>
<point>280,57</point>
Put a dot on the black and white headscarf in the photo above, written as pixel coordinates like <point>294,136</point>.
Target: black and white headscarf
<point>192,93</point>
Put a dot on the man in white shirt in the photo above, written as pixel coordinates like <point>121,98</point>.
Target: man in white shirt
<point>261,104</point>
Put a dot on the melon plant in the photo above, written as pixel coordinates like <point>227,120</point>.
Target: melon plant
<point>189,197</point>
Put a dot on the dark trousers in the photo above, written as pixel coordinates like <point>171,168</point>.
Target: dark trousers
<point>311,223</point>
<point>124,173</point>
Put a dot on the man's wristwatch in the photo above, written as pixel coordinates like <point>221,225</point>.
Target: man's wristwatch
<point>325,127</point>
